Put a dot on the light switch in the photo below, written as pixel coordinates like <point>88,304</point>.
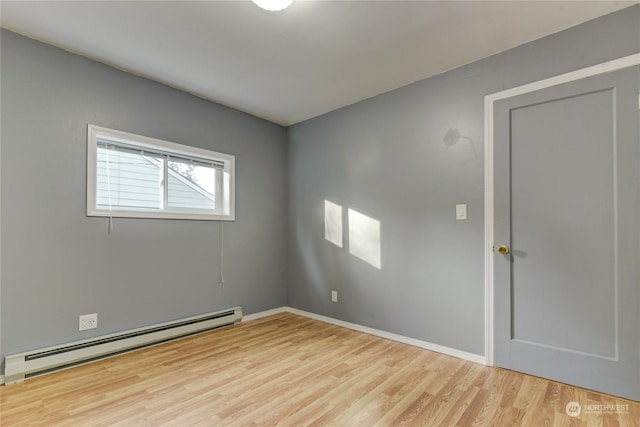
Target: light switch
<point>461,212</point>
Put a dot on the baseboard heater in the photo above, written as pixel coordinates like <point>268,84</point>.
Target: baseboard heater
<point>18,367</point>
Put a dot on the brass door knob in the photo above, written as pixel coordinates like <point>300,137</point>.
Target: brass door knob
<point>504,249</point>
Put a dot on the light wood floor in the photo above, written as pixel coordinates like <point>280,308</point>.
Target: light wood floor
<point>292,371</point>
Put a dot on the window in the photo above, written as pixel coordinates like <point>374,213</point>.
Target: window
<point>139,177</point>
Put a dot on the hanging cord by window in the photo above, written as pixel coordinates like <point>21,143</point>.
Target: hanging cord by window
<point>109,190</point>
<point>221,254</point>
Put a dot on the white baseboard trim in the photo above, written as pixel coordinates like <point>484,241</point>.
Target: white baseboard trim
<point>476,358</point>
<point>254,316</point>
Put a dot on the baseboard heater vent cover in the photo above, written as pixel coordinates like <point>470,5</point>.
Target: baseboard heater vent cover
<point>18,367</point>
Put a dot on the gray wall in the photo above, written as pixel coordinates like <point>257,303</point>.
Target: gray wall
<point>58,264</point>
<point>390,157</point>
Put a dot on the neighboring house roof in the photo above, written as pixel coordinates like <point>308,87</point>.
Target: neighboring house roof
<point>183,179</point>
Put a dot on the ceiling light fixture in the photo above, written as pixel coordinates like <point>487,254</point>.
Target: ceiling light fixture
<point>273,5</point>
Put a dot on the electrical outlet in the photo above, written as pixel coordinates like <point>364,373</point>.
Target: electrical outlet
<point>88,321</point>
<point>334,296</point>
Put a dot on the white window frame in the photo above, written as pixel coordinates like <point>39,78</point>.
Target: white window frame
<point>224,213</point>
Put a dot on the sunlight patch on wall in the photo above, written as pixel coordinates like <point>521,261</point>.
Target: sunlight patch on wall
<point>364,238</point>
<point>333,223</point>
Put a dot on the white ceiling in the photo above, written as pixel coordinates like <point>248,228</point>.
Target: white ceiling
<point>289,66</point>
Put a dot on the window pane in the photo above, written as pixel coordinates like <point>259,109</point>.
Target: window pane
<point>128,179</point>
<point>135,176</point>
<point>191,185</point>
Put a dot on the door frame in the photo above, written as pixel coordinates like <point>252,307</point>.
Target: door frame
<point>489,193</point>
